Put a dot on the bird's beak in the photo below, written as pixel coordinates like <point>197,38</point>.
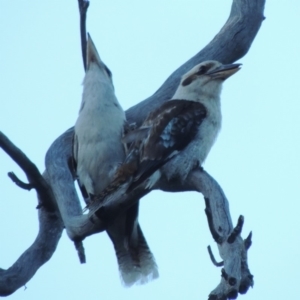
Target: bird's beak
<point>224,71</point>
<point>92,53</point>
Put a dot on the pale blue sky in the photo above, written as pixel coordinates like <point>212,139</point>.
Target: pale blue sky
<point>255,159</point>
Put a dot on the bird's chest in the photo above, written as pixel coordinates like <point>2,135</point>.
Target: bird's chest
<point>205,139</point>
<point>100,150</point>
<point>100,121</point>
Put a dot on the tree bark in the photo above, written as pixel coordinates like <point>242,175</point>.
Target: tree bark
<point>230,44</point>
<point>50,225</point>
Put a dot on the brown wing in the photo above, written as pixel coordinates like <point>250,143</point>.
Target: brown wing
<point>172,127</point>
<point>166,131</point>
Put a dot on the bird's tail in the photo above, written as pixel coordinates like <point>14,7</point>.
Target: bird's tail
<point>136,262</point>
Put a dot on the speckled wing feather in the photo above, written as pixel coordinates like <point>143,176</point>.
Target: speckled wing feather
<point>172,126</point>
<point>166,131</point>
<point>121,182</point>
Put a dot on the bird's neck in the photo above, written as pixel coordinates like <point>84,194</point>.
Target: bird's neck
<point>98,92</point>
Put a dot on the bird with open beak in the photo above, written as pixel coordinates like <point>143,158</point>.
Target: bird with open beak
<point>98,152</point>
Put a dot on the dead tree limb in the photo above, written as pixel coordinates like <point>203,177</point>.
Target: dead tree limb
<point>83,6</point>
<point>236,276</point>
<point>50,228</point>
<point>230,44</point>
<point>34,176</point>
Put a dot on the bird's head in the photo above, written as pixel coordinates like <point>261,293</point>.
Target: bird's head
<point>93,58</point>
<point>205,78</point>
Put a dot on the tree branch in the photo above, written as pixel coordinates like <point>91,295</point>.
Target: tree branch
<point>18,182</point>
<point>83,7</point>
<point>42,249</point>
<point>50,229</point>
<point>212,258</point>
<point>236,276</point>
<point>230,44</point>
<point>34,176</point>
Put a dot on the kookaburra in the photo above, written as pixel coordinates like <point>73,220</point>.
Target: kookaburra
<point>202,84</point>
<point>98,152</point>
<point>176,137</point>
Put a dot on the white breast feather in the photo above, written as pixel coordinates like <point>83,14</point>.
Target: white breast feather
<point>98,131</point>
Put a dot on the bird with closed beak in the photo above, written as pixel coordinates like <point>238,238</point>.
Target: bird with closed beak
<point>202,84</point>
<point>98,151</point>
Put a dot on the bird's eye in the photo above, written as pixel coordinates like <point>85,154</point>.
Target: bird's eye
<point>202,70</point>
<point>188,80</point>
<point>108,71</point>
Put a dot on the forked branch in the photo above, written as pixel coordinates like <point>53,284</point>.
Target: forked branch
<point>83,7</point>
<point>50,229</point>
<point>230,44</point>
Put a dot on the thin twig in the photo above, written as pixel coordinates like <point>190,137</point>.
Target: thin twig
<point>34,176</point>
<point>248,241</point>
<point>18,182</point>
<point>80,250</point>
<point>83,7</point>
<point>212,257</point>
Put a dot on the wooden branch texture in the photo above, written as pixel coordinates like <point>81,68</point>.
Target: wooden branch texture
<point>50,229</point>
<point>230,44</point>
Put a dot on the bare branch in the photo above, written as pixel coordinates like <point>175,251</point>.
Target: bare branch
<point>83,7</point>
<point>35,256</point>
<point>248,241</point>
<point>212,257</point>
<point>34,176</point>
<point>80,250</point>
<point>235,274</point>
<point>50,229</point>
<point>18,182</point>
<point>231,43</point>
